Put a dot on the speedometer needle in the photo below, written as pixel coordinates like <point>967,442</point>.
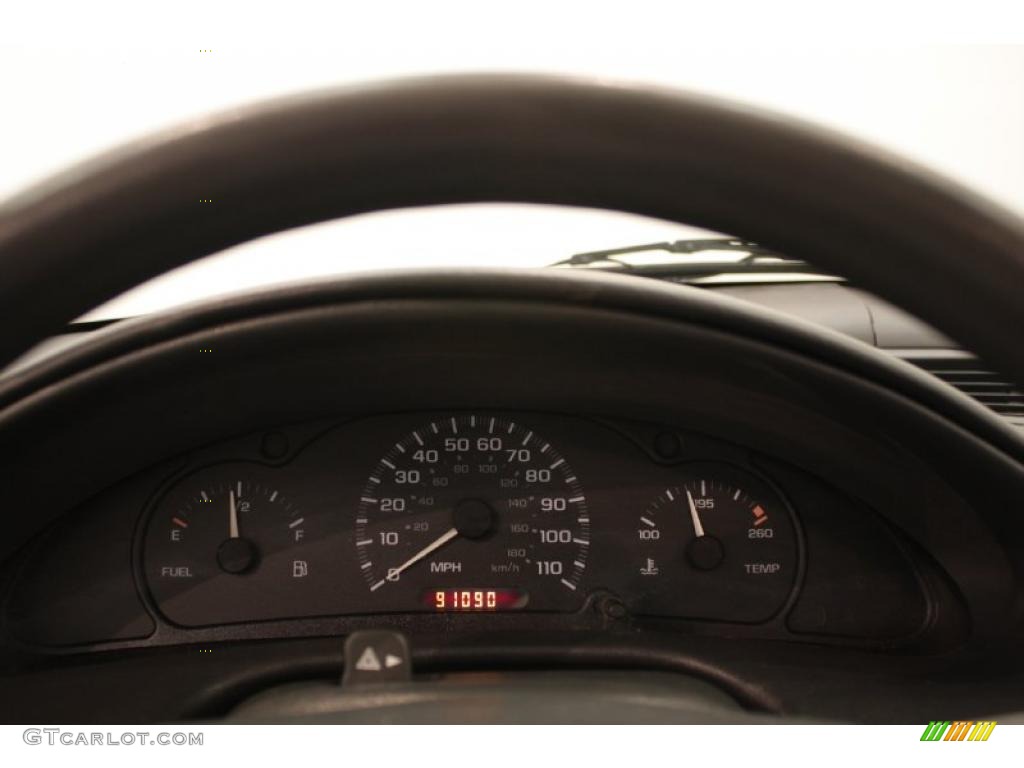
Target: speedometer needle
<point>697,527</point>
<point>440,541</point>
<point>232,516</point>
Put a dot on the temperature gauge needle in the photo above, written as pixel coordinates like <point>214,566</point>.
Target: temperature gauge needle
<point>697,527</point>
<point>232,516</point>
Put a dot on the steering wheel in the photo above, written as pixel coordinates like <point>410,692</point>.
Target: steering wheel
<point>938,251</point>
<point>80,239</point>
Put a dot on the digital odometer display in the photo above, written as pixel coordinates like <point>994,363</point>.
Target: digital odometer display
<point>467,500</point>
<point>504,599</point>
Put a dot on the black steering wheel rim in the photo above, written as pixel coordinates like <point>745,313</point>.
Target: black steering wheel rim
<point>939,251</point>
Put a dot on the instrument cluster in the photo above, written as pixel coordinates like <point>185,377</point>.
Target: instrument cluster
<point>474,512</point>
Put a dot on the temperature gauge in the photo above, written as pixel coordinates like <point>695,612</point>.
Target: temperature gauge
<point>718,545</point>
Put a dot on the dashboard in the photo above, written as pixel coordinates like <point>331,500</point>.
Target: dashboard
<point>518,474</point>
<point>480,518</point>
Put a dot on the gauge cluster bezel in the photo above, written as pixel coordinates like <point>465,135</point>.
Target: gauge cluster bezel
<point>602,611</point>
<point>641,441</point>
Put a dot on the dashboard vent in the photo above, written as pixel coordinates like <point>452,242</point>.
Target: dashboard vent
<point>968,375</point>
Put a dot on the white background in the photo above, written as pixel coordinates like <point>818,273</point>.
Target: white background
<point>78,78</point>
<point>722,746</point>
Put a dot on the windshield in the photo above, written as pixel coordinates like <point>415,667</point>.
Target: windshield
<point>512,236</point>
<point>958,110</point>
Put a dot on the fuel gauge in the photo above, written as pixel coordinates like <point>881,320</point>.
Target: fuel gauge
<point>225,540</point>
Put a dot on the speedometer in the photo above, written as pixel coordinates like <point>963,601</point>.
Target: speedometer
<point>473,513</point>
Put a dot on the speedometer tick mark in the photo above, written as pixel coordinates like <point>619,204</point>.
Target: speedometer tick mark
<point>569,584</point>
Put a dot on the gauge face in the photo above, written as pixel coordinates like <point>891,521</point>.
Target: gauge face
<point>718,545</point>
<point>223,541</point>
<point>473,512</point>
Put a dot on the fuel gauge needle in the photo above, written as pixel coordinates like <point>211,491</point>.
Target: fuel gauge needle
<point>697,527</point>
<point>232,516</point>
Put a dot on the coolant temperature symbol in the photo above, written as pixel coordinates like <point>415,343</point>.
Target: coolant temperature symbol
<point>650,569</point>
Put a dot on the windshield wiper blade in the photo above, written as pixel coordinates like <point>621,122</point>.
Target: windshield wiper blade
<point>756,259</point>
<point>678,246</point>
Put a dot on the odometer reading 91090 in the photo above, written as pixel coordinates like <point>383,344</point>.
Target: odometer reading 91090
<point>469,500</point>
<point>504,599</point>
